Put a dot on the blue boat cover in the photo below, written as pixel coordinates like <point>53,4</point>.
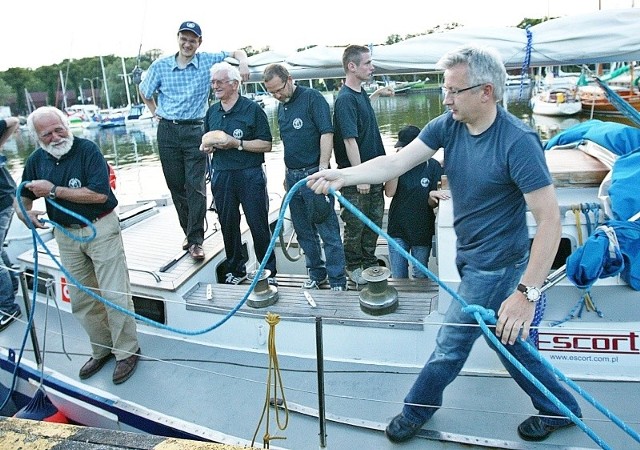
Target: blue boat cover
<point>616,137</point>
<point>602,256</point>
<point>624,191</point>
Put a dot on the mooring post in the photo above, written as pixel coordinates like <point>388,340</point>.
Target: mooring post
<point>320,366</point>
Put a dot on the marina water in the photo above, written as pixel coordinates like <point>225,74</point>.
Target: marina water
<point>134,152</point>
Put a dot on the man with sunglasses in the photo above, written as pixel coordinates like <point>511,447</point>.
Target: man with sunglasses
<point>181,82</point>
<point>304,119</point>
<point>496,169</point>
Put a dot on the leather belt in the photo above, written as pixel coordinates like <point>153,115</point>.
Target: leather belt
<point>303,169</point>
<point>184,122</point>
<point>77,226</point>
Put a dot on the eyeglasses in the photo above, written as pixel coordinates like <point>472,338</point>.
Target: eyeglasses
<point>281,90</point>
<point>220,82</point>
<point>456,92</point>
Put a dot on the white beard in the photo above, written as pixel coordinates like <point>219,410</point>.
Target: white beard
<point>60,148</point>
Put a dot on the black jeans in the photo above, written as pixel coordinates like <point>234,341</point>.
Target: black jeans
<point>184,167</point>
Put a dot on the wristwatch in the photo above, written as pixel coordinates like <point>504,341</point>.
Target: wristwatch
<point>531,292</point>
<point>52,192</point>
<point>240,147</point>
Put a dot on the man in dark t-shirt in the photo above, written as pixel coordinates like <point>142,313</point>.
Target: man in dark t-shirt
<point>304,118</point>
<point>9,309</point>
<point>72,172</point>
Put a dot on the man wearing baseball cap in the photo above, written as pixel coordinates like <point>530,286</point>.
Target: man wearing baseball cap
<point>182,84</point>
<point>411,216</point>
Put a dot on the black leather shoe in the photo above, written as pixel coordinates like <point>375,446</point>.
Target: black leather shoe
<point>400,429</point>
<point>92,366</point>
<point>196,252</point>
<point>535,429</point>
<point>125,368</point>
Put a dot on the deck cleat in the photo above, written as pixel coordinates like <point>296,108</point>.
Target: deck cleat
<point>264,294</point>
<point>377,297</point>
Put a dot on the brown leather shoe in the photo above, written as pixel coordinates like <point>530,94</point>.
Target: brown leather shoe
<point>196,251</point>
<point>92,366</point>
<point>125,368</point>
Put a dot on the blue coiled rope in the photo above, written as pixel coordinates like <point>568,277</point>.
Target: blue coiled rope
<point>482,315</point>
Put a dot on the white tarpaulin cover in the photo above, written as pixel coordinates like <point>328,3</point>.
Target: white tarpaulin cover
<point>598,37</point>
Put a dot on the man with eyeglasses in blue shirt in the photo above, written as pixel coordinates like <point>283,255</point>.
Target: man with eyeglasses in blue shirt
<point>182,84</point>
<point>496,169</point>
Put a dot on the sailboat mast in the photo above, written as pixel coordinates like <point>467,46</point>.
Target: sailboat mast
<point>104,81</point>
<point>126,81</point>
<point>64,91</point>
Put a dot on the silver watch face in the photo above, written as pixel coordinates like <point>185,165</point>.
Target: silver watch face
<point>533,294</point>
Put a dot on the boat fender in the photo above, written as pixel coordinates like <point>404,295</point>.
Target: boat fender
<point>112,177</point>
<point>41,408</point>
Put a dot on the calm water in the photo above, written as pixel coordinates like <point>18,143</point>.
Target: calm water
<point>134,152</point>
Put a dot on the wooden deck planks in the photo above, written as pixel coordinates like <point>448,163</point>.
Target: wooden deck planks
<point>415,301</point>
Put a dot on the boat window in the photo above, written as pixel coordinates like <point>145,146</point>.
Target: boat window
<point>151,308</point>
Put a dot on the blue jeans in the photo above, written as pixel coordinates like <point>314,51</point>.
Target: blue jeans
<point>400,265</point>
<point>309,233</point>
<point>8,303</point>
<point>453,344</point>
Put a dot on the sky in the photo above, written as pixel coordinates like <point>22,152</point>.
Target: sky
<point>37,33</point>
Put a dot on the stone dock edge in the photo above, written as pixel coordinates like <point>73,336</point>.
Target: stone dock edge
<point>23,434</point>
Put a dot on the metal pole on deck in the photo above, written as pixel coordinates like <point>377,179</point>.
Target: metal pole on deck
<point>320,366</point>
<point>27,307</point>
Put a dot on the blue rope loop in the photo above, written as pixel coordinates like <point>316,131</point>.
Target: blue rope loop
<point>526,62</point>
<point>481,315</point>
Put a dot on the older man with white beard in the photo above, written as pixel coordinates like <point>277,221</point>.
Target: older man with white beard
<point>73,172</point>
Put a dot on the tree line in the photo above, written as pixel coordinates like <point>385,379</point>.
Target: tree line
<point>84,81</point>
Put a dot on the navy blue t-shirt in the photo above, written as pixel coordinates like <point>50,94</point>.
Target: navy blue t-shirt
<point>83,166</point>
<point>302,120</point>
<point>488,175</point>
<point>354,118</point>
<point>7,185</point>
<point>410,216</point>
<point>246,121</point>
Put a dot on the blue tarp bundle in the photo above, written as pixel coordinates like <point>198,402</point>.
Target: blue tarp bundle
<point>616,137</point>
<point>625,186</point>
<point>600,257</point>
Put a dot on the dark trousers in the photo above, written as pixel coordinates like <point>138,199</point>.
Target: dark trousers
<point>359,240</point>
<point>247,188</point>
<point>184,167</point>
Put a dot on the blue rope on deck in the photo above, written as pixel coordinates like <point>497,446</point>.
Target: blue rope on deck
<point>482,315</point>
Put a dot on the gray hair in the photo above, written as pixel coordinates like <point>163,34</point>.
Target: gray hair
<point>232,71</point>
<point>484,63</point>
<point>45,111</point>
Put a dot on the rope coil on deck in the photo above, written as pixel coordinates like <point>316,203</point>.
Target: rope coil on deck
<point>273,373</point>
<point>476,311</point>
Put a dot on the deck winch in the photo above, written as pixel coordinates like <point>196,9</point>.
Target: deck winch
<point>263,294</point>
<point>377,297</point>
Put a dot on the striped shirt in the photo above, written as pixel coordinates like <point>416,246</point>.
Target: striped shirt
<point>182,93</point>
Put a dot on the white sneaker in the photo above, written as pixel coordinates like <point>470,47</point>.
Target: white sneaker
<point>313,284</point>
<point>272,281</point>
<point>232,279</point>
<point>339,288</point>
<point>6,319</point>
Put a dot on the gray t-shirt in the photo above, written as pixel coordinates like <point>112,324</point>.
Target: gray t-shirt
<point>488,175</point>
